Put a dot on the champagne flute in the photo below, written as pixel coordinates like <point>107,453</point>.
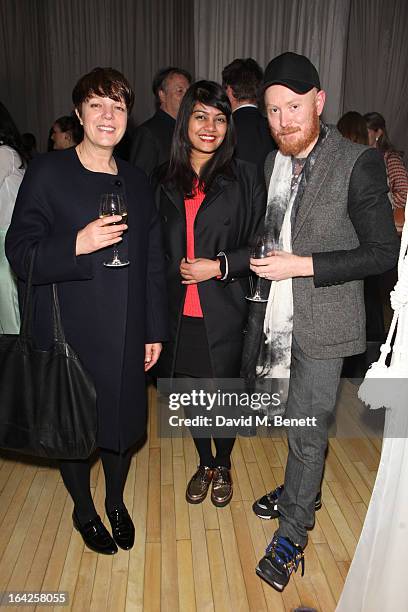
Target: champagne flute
<point>262,248</point>
<point>113,204</point>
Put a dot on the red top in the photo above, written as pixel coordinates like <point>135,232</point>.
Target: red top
<point>192,306</point>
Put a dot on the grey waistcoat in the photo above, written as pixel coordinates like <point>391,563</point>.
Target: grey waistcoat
<point>327,321</point>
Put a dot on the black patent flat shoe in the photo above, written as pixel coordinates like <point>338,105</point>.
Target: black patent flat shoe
<point>123,530</point>
<point>95,535</point>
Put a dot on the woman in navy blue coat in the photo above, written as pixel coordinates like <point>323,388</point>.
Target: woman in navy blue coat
<point>115,319</point>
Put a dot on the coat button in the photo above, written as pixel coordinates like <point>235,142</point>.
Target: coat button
<point>227,221</point>
<point>164,217</point>
<point>118,183</point>
<point>167,257</point>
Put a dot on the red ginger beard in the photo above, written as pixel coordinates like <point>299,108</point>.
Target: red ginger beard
<point>294,146</point>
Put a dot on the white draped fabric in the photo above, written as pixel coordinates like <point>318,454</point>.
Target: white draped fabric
<point>377,581</point>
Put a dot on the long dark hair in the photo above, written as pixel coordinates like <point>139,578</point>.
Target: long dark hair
<point>180,171</point>
<point>9,135</point>
<point>375,121</point>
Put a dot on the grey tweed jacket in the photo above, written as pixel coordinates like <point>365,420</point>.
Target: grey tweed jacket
<point>345,223</point>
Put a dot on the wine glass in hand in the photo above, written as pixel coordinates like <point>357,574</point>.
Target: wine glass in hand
<point>113,204</point>
<point>262,248</point>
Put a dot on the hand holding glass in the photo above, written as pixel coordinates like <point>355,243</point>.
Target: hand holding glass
<point>113,204</point>
<point>262,248</point>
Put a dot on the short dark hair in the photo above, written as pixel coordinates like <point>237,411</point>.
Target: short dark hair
<point>70,123</point>
<point>180,171</point>
<point>105,82</point>
<point>161,76</point>
<point>375,121</point>
<point>244,76</point>
<point>352,125</point>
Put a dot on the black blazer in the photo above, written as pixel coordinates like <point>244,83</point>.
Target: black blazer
<point>254,140</point>
<point>228,220</point>
<point>152,142</point>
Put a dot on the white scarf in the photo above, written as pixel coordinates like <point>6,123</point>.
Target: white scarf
<point>278,321</point>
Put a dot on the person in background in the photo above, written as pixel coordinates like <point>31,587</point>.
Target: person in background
<point>396,171</point>
<point>115,319</point>
<point>152,139</point>
<point>352,125</point>
<point>66,132</point>
<point>13,161</point>
<point>241,80</point>
<point>211,206</point>
<point>30,144</point>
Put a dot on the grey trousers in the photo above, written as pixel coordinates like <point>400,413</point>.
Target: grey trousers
<point>312,393</point>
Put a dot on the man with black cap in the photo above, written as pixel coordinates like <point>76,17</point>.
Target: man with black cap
<point>328,210</point>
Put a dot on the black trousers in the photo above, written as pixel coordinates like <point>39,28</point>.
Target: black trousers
<point>76,477</point>
<point>193,361</point>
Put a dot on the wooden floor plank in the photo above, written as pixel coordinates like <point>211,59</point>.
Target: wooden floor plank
<point>153,533</point>
<point>169,583</point>
<point>18,535</point>
<point>39,517</point>
<point>219,580</point>
<point>51,527</point>
<point>185,576</point>
<point>152,593</point>
<point>236,583</point>
<point>201,567</point>
<point>137,556</point>
<point>84,585</point>
<point>253,586</point>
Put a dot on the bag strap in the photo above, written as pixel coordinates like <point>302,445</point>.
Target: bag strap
<point>58,330</point>
<point>25,330</point>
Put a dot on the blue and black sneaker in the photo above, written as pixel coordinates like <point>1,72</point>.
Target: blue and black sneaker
<point>282,557</point>
<point>266,507</point>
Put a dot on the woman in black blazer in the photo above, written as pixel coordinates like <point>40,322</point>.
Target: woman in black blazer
<point>211,206</point>
<point>114,318</point>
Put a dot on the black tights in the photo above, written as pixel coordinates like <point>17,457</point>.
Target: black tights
<point>223,448</point>
<point>76,477</point>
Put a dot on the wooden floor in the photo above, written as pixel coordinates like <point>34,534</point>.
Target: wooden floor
<point>186,557</point>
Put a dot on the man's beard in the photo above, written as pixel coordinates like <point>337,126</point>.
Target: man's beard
<point>297,144</point>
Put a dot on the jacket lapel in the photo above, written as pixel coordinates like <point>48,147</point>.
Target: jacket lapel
<point>219,185</point>
<point>176,197</point>
<point>322,166</point>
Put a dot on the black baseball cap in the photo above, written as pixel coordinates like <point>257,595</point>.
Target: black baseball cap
<point>293,71</point>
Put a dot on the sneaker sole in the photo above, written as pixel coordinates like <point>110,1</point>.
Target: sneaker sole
<point>272,583</point>
<point>277,514</point>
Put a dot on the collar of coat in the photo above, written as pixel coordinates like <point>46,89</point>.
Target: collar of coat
<point>218,186</point>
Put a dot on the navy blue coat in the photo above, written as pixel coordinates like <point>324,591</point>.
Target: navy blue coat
<point>108,314</point>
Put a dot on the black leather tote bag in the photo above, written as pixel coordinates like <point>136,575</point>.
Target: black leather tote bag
<point>47,399</point>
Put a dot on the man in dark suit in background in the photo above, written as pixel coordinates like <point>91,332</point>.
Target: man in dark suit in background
<point>241,80</point>
<point>152,140</point>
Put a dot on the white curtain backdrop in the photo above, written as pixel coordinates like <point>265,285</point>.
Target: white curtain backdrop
<point>262,29</point>
<point>46,45</point>
<point>377,64</point>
